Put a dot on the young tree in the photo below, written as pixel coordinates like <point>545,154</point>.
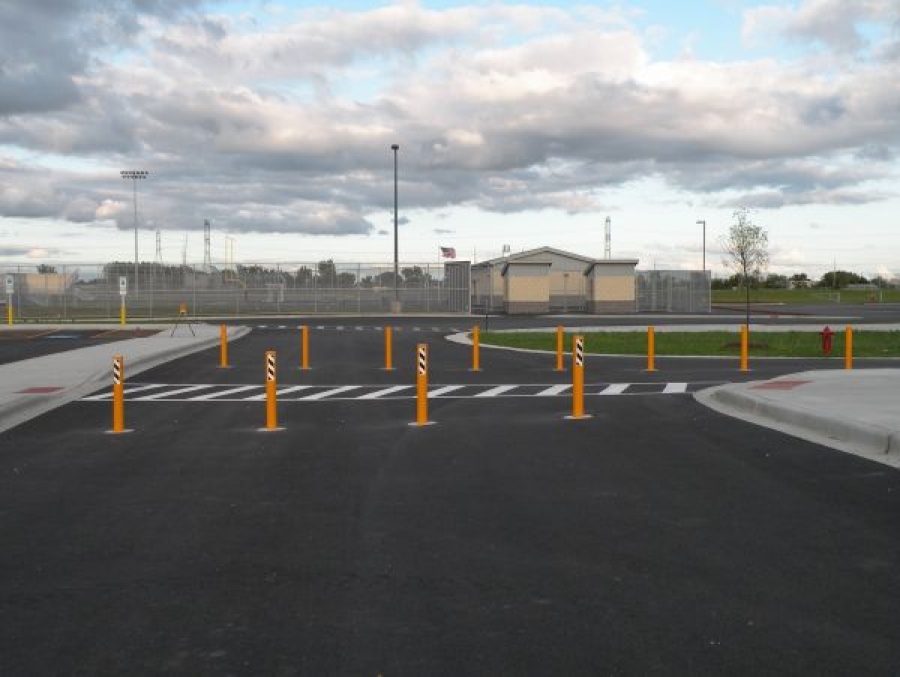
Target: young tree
<point>747,248</point>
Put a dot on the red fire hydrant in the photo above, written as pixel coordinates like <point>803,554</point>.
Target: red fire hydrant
<point>826,335</point>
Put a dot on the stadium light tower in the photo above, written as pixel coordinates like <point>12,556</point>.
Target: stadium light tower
<point>134,175</point>
<point>395,148</point>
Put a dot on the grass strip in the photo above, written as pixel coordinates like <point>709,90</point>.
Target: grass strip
<point>715,343</point>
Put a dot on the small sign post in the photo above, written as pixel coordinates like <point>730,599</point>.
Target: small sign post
<point>10,290</point>
<point>123,291</point>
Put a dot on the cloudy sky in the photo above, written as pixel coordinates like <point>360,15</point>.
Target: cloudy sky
<point>522,124</point>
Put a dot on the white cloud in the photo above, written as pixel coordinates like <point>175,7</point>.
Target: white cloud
<point>503,108</point>
<point>834,23</point>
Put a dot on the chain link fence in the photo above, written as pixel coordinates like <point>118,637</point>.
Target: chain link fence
<point>673,291</point>
<point>92,291</point>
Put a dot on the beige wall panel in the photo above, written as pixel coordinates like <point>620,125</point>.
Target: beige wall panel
<point>613,289</point>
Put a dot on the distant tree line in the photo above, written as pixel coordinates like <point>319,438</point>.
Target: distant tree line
<point>838,279</point>
<point>324,274</point>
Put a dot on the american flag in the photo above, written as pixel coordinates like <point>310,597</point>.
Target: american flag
<point>448,252</point>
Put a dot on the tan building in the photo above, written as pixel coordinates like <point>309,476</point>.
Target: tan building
<point>551,280</point>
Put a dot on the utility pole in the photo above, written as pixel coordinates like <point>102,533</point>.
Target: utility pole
<point>395,147</point>
<point>703,222</point>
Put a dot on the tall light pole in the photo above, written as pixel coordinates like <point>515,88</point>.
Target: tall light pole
<point>703,222</point>
<point>395,148</point>
<point>134,175</point>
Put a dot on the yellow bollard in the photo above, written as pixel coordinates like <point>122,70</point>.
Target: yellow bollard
<point>422,384</point>
<point>122,312</point>
<point>389,348</point>
<point>118,394</point>
<point>578,378</point>
<point>848,348</point>
<point>9,312</point>
<point>223,347</point>
<point>745,339</point>
<point>651,348</point>
<point>560,347</point>
<point>476,348</point>
<point>304,347</point>
<point>271,395</point>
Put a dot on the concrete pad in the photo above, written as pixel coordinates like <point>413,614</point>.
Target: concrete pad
<point>32,387</point>
<point>855,411</point>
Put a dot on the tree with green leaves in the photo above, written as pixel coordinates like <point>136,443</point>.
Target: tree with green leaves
<point>747,248</point>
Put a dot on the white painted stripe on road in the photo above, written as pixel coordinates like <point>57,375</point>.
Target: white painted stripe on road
<point>675,388</point>
<point>615,389</point>
<point>321,327</point>
<point>278,393</point>
<point>172,393</point>
<point>359,328</point>
<point>328,393</point>
<point>444,391</point>
<point>382,393</point>
<point>127,391</point>
<point>221,393</point>
<point>493,392</point>
<point>554,390</point>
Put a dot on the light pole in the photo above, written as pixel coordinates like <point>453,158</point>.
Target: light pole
<point>703,222</point>
<point>134,175</point>
<point>395,148</point>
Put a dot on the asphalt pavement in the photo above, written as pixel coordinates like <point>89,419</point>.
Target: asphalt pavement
<point>657,536</point>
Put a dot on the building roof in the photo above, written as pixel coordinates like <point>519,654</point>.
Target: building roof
<point>589,262</point>
<point>531,252</point>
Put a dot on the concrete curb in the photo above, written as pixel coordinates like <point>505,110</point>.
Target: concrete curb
<point>866,439</point>
<point>26,407</point>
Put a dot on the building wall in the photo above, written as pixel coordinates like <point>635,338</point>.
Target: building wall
<point>487,288</point>
<point>527,289</point>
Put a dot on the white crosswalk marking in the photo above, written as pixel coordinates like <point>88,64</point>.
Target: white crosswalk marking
<point>328,393</point>
<point>278,393</point>
<point>225,392</point>
<point>554,390</point>
<point>383,392</point>
<point>126,391</point>
<point>493,392</point>
<point>443,391</point>
<point>221,393</point>
<point>615,389</point>
<point>171,393</point>
<point>675,388</point>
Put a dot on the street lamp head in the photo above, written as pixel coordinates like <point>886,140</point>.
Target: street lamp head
<point>395,147</point>
<point>701,222</point>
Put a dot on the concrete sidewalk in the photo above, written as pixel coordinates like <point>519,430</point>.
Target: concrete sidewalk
<point>34,386</point>
<point>856,411</point>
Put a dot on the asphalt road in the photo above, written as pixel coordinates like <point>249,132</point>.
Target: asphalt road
<point>22,343</point>
<point>656,537</point>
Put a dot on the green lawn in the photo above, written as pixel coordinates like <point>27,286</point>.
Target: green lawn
<point>762,344</point>
<point>805,296</point>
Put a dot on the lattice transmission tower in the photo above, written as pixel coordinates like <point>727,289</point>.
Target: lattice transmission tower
<point>607,250</point>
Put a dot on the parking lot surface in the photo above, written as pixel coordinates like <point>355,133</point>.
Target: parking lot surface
<point>655,537</point>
